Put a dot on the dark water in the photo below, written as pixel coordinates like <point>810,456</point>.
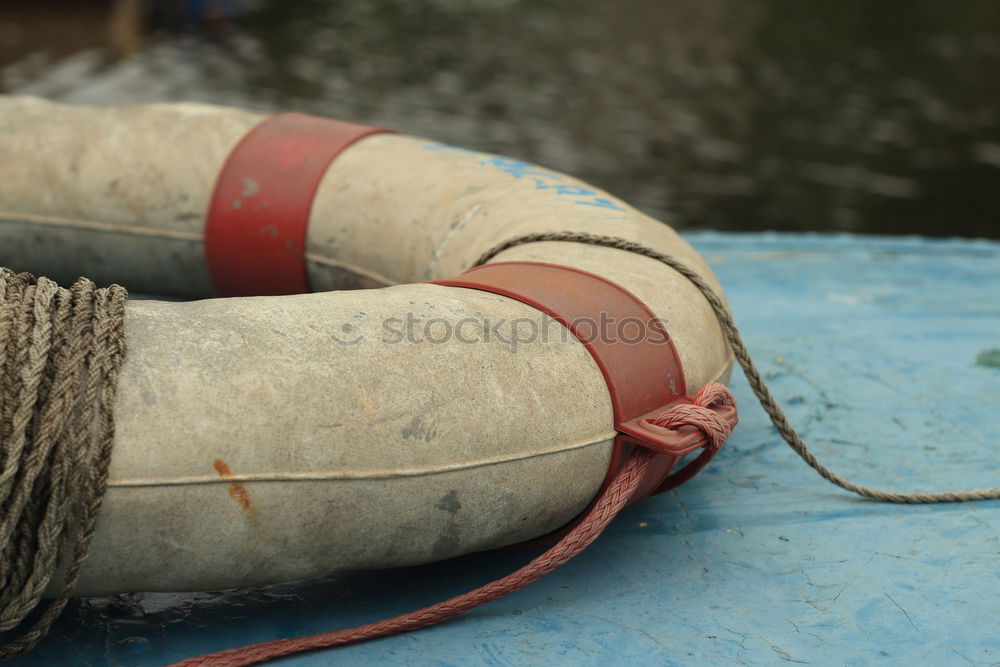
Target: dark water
<point>875,116</point>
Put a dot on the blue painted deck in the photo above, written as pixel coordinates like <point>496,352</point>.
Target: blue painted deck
<point>872,345</point>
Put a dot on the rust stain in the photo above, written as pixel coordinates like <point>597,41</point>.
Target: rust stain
<point>237,492</point>
<point>221,468</point>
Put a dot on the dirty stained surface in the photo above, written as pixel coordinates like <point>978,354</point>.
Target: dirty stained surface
<point>876,117</point>
<point>882,359</point>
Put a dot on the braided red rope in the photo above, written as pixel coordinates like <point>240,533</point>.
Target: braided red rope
<point>698,415</point>
<point>615,496</point>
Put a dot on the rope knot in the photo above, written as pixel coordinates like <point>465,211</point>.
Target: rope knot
<point>699,415</point>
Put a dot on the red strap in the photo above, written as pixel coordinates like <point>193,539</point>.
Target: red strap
<point>630,345</point>
<point>255,231</point>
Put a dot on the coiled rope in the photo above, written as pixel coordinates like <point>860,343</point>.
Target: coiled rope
<point>60,353</point>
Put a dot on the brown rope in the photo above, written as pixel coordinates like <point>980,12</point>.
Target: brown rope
<point>60,353</point>
<point>753,375</point>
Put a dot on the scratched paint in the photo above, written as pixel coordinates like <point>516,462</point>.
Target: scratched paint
<point>543,179</point>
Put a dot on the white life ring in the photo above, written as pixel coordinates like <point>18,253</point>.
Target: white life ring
<point>390,422</point>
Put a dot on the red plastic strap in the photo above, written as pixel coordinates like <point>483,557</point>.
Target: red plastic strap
<point>255,231</point>
<point>630,345</point>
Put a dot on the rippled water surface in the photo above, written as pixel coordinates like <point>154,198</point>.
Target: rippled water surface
<point>878,117</point>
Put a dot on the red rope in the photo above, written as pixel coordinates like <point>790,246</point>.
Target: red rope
<point>607,506</point>
<point>698,415</point>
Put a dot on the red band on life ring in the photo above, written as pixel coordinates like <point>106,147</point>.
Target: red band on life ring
<point>255,230</point>
<point>631,347</point>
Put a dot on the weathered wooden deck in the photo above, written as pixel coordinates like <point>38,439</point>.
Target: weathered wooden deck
<point>880,349</point>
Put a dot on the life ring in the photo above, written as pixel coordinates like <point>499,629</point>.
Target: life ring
<point>395,416</point>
